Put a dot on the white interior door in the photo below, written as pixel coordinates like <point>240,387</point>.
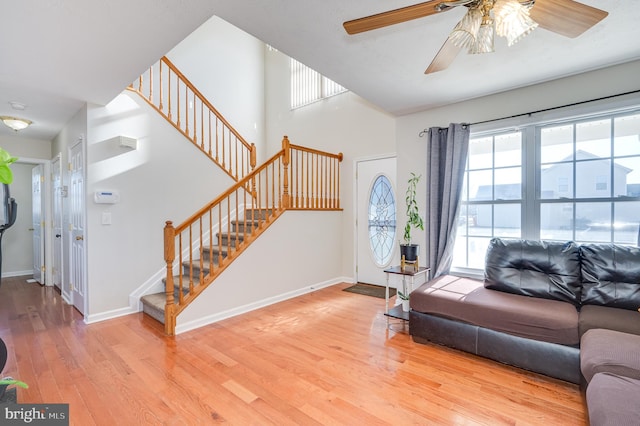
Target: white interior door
<point>376,219</point>
<point>77,259</point>
<point>57,249</point>
<point>37,195</point>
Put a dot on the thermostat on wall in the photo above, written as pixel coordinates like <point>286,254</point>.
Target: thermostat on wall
<point>106,197</point>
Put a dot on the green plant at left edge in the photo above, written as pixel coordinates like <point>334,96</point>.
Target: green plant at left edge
<point>6,176</point>
<point>8,381</point>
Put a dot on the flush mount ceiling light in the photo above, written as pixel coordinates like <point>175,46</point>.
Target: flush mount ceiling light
<point>15,123</point>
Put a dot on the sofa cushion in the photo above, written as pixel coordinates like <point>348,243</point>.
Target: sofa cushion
<point>594,316</point>
<point>613,400</point>
<point>610,275</point>
<point>550,270</point>
<point>608,351</point>
<point>467,300</point>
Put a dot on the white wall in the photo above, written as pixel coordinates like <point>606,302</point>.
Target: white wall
<point>26,148</point>
<point>412,149</point>
<point>227,66</point>
<point>165,178</point>
<point>17,242</point>
<point>344,123</point>
<point>300,252</point>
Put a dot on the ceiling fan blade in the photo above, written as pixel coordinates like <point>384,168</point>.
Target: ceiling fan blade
<point>444,57</point>
<point>566,17</point>
<point>392,17</point>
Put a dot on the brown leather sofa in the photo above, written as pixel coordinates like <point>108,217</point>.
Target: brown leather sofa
<point>541,304</point>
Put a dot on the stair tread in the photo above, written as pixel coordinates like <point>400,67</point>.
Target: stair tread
<point>155,301</point>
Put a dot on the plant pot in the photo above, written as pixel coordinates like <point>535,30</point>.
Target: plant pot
<point>410,252</point>
<point>405,305</point>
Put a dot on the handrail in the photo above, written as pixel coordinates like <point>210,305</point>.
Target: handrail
<point>202,247</point>
<point>209,131</point>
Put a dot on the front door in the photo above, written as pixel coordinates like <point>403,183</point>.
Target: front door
<point>77,226</point>
<point>376,219</point>
<point>37,203</point>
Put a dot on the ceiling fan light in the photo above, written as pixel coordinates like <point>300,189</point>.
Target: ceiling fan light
<point>512,20</point>
<point>484,41</point>
<point>465,32</point>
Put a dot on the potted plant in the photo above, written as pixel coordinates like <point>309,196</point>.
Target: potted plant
<point>404,298</point>
<point>409,252</point>
<point>6,394</point>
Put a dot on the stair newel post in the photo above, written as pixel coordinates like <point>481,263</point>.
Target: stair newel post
<point>286,147</point>
<point>169,257</point>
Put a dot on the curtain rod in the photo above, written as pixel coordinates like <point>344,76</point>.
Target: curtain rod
<point>422,133</point>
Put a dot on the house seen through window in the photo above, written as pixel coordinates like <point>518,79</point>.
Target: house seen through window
<point>576,181</point>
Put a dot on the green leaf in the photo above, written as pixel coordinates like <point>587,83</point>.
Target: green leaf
<point>10,382</point>
<point>6,176</point>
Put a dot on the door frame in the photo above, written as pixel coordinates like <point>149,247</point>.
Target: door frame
<point>57,242</point>
<point>80,140</point>
<point>46,187</point>
<point>39,226</point>
<point>355,206</point>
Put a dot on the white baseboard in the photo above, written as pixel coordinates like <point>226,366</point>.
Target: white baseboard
<point>192,325</point>
<point>17,273</point>
<point>103,316</point>
<point>210,319</point>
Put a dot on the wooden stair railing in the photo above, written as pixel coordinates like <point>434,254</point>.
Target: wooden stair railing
<point>201,248</point>
<point>167,90</point>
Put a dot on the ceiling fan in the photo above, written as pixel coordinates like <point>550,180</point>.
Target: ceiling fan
<point>512,19</point>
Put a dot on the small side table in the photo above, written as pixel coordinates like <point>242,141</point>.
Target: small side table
<point>407,271</point>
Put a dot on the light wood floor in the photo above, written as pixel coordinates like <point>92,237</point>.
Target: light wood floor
<point>323,358</point>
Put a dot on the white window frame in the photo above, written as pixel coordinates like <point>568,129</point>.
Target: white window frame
<point>530,127</point>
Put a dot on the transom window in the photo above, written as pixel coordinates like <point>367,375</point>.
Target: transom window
<point>575,181</point>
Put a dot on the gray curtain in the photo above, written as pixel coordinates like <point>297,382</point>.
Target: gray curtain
<point>447,157</point>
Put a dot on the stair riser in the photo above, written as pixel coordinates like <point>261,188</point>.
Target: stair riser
<point>154,313</point>
<point>233,240</point>
<point>257,214</point>
<point>242,228</point>
<point>215,255</point>
<point>193,271</point>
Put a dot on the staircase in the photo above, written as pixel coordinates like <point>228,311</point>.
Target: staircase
<point>212,258</point>
<point>198,250</point>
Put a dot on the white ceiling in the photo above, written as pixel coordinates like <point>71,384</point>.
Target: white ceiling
<point>57,55</point>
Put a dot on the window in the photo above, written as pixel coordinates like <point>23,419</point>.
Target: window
<point>308,86</point>
<point>492,196</point>
<point>382,220</point>
<point>576,180</point>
